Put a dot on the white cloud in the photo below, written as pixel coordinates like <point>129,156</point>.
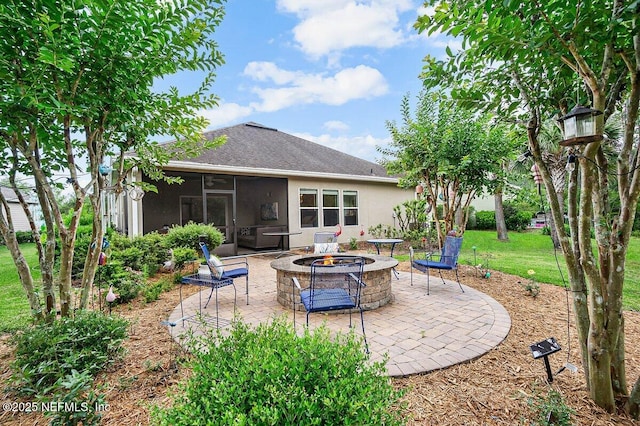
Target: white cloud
<point>361,82</point>
<point>359,146</point>
<point>334,25</point>
<point>225,113</point>
<point>336,125</point>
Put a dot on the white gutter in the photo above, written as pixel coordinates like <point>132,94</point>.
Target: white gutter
<point>251,171</point>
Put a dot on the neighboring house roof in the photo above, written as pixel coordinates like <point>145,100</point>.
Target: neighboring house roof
<point>11,197</point>
<point>257,149</point>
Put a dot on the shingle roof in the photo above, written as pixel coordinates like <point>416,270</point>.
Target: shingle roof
<point>11,197</point>
<point>256,146</point>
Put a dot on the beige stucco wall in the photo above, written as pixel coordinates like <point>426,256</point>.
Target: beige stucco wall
<point>376,202</point>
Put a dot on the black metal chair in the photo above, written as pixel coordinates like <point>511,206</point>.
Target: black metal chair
<point>335,285</point>
<point>446,260</point>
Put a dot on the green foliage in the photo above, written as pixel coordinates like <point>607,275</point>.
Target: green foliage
<point>183,255</point>
<point>111,107</point>
<point>46,354</point>
<point>152,291</point>
<point>142,253</point>
<point>80,405</point>
<point>456,154</point>
<point>270,375</point>
<point>24,237</point>
<point>516,219</point>
<point>126,283</point>
<point>383,231</point>
<point>189,236</point>
<point>353,243</point>
<point>485,220</point>
<point>550,410</point>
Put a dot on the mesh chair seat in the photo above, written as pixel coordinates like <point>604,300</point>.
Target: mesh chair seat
<point>447,260</point>
<point>331,299</point>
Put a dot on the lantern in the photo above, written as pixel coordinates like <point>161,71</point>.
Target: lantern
<point>580,126</point>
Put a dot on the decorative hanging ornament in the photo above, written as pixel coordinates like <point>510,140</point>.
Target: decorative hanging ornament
<point>537,177</point>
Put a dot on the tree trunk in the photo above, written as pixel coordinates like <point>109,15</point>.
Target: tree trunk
<point>633,404</point>
<point>501,224</point>
<point>93,253</point>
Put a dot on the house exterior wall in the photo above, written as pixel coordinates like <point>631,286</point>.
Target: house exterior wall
<point>19,217</point>
<point>376,201</point>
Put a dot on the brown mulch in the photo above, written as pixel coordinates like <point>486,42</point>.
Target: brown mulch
<point>491,390</point>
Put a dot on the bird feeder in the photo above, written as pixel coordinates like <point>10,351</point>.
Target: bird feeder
<point>580,126</point>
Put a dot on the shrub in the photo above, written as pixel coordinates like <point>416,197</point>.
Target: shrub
<point>515,219</point>
<point>485,220</point>
<point>189,236</point>
<point>270,375</point>
<point>24,237</point>
<point>47,353</point>
<point>182,255</point>
<point>152,291</point>
<point>126,283</point>
<point>154,249</point>
<point>550,409</point>
<point>383,231</point>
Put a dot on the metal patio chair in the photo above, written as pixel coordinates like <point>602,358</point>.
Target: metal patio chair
<point>446,260</point>
<point>334,285</point>
<point>217,277</point>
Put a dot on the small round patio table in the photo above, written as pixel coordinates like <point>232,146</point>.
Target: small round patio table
<point>378,242</point>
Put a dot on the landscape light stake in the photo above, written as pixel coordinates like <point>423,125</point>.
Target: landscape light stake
<point>542,350</point>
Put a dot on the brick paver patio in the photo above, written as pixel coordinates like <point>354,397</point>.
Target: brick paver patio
<point>420,333</point>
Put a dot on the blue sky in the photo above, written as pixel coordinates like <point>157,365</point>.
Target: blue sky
<point>330,71</point>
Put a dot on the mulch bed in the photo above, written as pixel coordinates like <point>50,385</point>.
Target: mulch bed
<point>491,390</point>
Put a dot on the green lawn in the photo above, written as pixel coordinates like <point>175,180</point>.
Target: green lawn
<point>532,250</point>
<point>14,307</point>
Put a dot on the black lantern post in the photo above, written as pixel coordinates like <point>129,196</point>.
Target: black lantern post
<point>580,126</point>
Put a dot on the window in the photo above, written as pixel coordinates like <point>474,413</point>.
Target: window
<point>330,207</point>
<point>308,208</point>
<point>350,207</point>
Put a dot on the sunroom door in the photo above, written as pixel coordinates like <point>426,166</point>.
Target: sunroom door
<point>220,212</point>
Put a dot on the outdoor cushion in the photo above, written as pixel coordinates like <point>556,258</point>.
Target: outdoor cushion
<point>326,299</point>
<point>235,273</point>
<point>217,269</point>
<point>432,264</point>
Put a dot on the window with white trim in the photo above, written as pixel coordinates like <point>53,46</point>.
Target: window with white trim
<point>308,208</point>
<point>350,207</point>
<point>330,207</point>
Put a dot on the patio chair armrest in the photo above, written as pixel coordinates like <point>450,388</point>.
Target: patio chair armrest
<point>296,282</point>
<point>235,261</point>
<point>357,280</point>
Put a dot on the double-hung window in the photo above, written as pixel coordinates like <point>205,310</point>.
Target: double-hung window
<point>350,207</point>
<point>308,208</point>
<point>330,207</point>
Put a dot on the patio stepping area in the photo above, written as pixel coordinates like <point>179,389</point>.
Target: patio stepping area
<point>419,333</point>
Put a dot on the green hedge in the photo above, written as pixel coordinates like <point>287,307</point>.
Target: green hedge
<point>271,376</point>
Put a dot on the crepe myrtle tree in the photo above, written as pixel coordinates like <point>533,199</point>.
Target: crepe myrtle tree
<point>453,153</point>
<point>77,87</point>
<point>530,61</point>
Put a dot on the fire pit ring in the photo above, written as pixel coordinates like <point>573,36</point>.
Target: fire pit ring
<point>377,276</point>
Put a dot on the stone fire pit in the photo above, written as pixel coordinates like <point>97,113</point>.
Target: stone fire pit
<point>377,277</point>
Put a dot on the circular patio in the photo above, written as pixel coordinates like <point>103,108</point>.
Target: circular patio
<point>419,333</point>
